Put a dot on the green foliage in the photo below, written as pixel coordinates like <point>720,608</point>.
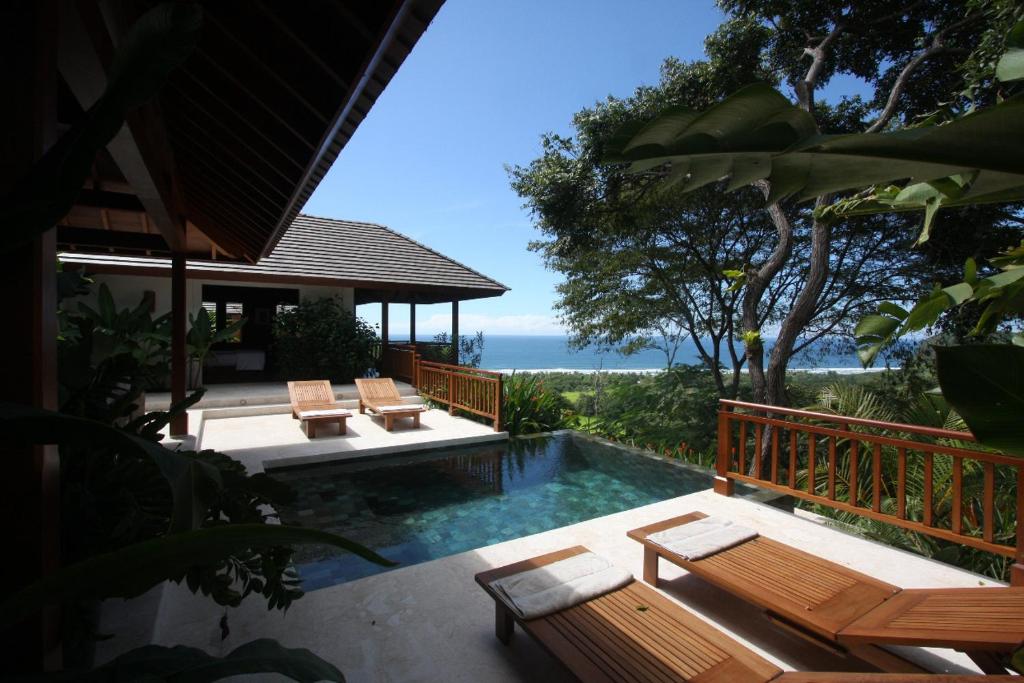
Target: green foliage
<point>107,358</point>
<point>156,44</point>
<point>181,664</point>
<point>926,410</point>
<point>758,134</point>
<point>673,413</point>
<point>530,407</point>
<point>471,349</point>
<point>202,335</point>
<point>319,339</point>
<point>985,384</point>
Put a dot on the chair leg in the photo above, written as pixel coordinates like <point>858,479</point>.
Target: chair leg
<point>311,429</point>
<point>362,408</point>
<point>504,624</point>
<point>651,566</point>
<point>416,421</point>
<point>342,427</point>
<point>389,422</point>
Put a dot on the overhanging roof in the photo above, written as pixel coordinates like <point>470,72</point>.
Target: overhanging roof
<point>240,136</point>
<point>381,264</point>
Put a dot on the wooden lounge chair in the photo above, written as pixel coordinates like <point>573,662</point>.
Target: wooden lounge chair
<point>631,634</point>
<point>380,396</point>
<point>845,611</point>
<point>313,404</point>
<point>635,634</point>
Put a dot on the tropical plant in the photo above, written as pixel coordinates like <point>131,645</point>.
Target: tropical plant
<point>107,358</point>
<point>202,336</point>
<point>529,407</point>
<point>320,339</point>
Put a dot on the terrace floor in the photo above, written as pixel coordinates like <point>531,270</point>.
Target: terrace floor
<point>273,440</point>
<point>430,622</point>
<point>258,394</point>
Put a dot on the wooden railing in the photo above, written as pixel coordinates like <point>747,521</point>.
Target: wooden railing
<point>474,391</point>
<point>956,493</point>
<point>398,361</point>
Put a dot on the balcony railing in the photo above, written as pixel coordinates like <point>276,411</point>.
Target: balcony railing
<point>927,480</point>
<point>461,388</point>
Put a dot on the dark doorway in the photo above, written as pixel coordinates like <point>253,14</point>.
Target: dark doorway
<point>245,357</point>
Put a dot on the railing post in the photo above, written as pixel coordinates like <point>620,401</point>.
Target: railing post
<point>723,485</point>
<point>1017,569</point>
<point>497,404</point>
<point>451,392</point>
<point>415,370</point>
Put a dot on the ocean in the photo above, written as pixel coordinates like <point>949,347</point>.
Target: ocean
<point>521,352</point>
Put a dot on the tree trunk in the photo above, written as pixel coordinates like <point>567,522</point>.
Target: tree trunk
<point>801,313</point>
<point>756,284</point>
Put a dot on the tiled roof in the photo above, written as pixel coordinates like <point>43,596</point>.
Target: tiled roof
<point>367,256</point>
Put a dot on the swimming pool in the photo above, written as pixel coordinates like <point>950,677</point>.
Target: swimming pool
<point>422,507</point>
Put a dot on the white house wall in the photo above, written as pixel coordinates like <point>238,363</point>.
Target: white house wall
<point>127,291</point>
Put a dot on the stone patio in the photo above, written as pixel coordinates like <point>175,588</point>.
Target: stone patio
<point>430,622</point>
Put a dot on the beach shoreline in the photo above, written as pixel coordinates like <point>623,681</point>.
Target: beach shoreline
<point>654,371</point>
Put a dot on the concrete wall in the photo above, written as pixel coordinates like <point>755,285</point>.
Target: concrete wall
<point>127,291</point>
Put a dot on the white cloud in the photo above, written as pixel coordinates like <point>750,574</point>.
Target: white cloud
<point>492,324</point>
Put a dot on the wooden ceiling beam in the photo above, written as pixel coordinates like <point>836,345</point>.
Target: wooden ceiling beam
<point>92,238</point>
<point>139,149</point>
<point>101,199</point>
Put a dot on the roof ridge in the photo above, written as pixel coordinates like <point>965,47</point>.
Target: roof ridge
<point>409,239</point>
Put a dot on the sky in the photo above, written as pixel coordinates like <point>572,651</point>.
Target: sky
<point>476,93</point>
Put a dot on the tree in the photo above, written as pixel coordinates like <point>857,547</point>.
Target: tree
<point>756,135</point>
<point>805,44</point>
<point>641,257</point>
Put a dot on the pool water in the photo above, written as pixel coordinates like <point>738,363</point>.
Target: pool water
<point>423,507</point>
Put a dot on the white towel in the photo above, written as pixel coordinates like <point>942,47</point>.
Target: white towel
<point>704,537</point>
<point>337,412</point>
<point>391,409</point>
<point>560,585</point>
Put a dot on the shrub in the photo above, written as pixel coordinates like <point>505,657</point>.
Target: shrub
<point>319,339</point>
<point>530,407</point>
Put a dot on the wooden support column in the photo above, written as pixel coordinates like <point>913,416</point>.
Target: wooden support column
<point>179,355</point>
<point>412,323</point>
<point>455,332</point>
<point>29,488</point>
<point>384,338</point>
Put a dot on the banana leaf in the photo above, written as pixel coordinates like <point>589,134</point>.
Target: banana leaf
<point>134,569</point>
<point>758,134</point>
<point>985,384</point>
<point>193,483</point>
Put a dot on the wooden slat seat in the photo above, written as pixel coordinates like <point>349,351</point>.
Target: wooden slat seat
<point>849,612</point>
<point>377,394</point>
<point>633,634</point>
<point>798,587</point>
<point>307,396</point>
<point>968,619</point>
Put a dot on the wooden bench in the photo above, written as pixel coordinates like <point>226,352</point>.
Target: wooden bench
<point>380,396</point>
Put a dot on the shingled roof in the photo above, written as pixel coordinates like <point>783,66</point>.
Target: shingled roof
<point>378,262</point>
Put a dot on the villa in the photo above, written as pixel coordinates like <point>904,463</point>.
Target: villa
<point>197,202</point>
